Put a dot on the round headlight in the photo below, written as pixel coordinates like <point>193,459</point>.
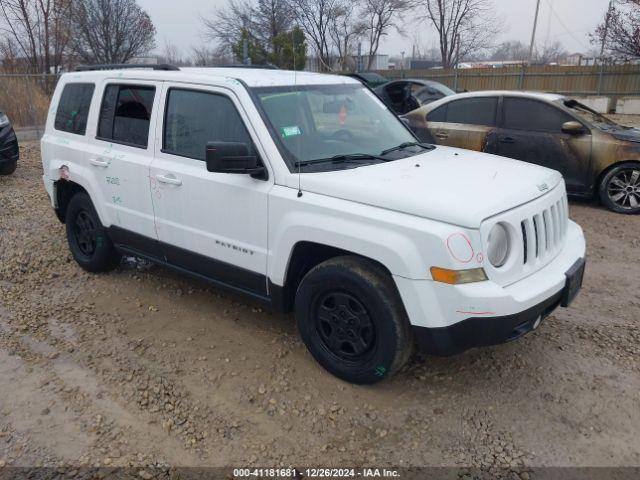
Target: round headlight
<point>498,245</point>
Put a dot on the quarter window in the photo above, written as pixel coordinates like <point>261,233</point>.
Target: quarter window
<point>125,115</point>
<point>526,114</point>
<point>73,108</point>
<point>473,111</point>
<point>193,119</point>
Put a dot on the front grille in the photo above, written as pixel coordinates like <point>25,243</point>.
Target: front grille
<point>543,233</point>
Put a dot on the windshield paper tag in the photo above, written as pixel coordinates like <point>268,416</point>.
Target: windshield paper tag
<point>290,131</point>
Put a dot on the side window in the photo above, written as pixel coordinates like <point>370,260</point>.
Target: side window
<point>194,118</point>
<point>527,114</point>
<point>73,108</point>
<point>438,115</point>
<point>125,114</point>
<point>473,111</point>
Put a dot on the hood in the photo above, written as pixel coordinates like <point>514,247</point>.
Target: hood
<point>627,134</point>
<point>450,185</point>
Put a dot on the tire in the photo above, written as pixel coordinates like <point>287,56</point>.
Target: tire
<point>88,241</point>
<point>352,320</point>
<point>620,188</point>
<point>8,168</point>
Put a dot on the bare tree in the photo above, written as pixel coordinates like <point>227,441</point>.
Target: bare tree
<point>207,57</point>
<point>111,31</point>
<point>226,25</point>
<point>510,50</point>
<point>622,36</point>
<point>464,27</point>
<point>38,31</point>
<point>552,53</point>
<point>315,18</point>
<point>381,16</point>
<point>345,28</point>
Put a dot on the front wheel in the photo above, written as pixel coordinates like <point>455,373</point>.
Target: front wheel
<point>88,241</point>
<point>620,188</point>
<point>352,320</point>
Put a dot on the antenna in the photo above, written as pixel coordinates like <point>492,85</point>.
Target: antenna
<point>295,80</point>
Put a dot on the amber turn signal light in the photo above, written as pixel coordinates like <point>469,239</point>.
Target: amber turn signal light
<point>456,277</point>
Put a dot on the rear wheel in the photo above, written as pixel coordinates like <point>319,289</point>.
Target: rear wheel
<point>352,320</point>
<point>8,168</point>
<point>620,188</point>
<point>88,241</point>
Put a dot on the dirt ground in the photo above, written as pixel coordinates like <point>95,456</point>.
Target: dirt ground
<point>141,367</point>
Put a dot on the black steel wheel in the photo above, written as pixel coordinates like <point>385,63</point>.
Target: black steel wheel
<point>88,240</point>
<point>344,326</point>
<point>352,320</point>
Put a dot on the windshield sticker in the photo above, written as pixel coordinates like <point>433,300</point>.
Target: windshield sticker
<point>290,131</point>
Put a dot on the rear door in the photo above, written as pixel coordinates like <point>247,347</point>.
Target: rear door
<point>531,131</point>
<point>120,158</point>
<point>466,123</point>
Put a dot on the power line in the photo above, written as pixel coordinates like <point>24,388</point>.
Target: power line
<point>563,25</point>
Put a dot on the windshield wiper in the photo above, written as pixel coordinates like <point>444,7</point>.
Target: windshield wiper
<point>404,145</point>
<point>343,158</point>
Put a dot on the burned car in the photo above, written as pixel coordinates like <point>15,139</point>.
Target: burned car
<point>8,146</point>
<point>597,157</point>
<point>403,96</point>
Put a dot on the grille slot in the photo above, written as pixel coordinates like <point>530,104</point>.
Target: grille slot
<point>543,233</point>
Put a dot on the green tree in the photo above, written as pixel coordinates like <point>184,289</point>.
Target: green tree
<point>289,50</point>
<point>255,50</point>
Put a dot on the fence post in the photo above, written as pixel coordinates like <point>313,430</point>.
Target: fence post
<point>522,74</point>
<point>600,76</point>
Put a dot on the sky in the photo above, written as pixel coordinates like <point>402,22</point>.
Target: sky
<point>567,21</point>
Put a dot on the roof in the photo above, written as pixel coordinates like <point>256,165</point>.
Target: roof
<point>252,77</point>
<point>549,97</point>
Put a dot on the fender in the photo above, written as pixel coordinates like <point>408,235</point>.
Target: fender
<point>59,169</point>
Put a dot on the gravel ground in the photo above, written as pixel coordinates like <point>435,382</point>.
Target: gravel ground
<point>141,367</point>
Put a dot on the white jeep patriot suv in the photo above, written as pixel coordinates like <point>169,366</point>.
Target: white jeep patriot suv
<point>305,192</point>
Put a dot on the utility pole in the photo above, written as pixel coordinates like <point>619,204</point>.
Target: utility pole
<point>606,29</point>
<point>533,34</point>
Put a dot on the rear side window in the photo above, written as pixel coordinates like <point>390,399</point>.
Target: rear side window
<point>73,109</point>
<point>438,115</point>
<point>194,118</point>
<point>526,114</point>
<point>125,114</point>
<point>473,111</point>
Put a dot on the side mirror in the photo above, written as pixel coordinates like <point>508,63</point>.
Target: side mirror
<point>233,157</point>
<point>573,128</point>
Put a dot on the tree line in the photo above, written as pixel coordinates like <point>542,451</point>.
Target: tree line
<point>48,36</point>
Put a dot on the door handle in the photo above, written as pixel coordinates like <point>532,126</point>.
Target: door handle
<point>442,135</point>
<point>507,140</point>
<point>97,162</point>
<point>170,179</point>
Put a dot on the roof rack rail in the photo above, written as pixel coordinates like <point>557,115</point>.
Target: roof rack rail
<point>123,66</point>
<point>265,66</point>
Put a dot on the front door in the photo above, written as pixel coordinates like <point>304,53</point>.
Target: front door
<point>212,224</point>
<point>531,131</point>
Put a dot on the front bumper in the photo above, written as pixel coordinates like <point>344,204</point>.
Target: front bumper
<point>449,319</point>
<point>483,332</point>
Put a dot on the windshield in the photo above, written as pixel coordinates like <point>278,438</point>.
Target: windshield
<point>318,122</point>
<point>591,116</point>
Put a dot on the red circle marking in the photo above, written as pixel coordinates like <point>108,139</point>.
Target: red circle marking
<point>464,237</point>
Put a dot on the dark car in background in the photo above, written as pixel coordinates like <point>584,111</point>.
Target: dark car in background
<point>597,157</point>
<point>403,96</point>
<point>8,146</point>
<point>370,79</point>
